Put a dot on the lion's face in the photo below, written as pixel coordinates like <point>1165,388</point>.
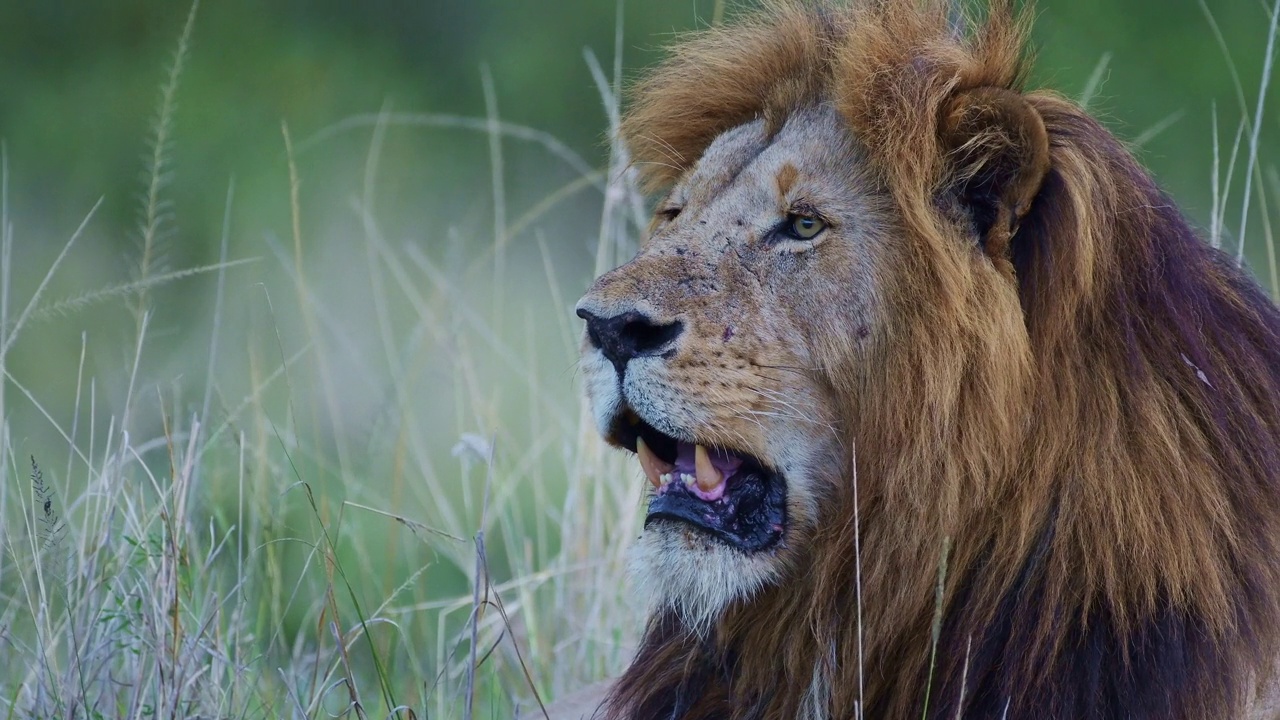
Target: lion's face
<point>709,354</point>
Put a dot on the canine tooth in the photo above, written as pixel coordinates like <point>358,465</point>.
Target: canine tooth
<point>709,476</point>
<point>653,466</point>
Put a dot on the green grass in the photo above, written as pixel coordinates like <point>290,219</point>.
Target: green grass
<point>398,511</point>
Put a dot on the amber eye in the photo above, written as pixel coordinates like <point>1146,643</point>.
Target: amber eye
<point>805,227</point>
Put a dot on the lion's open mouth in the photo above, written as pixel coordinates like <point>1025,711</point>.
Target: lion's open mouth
<point>728,495</point>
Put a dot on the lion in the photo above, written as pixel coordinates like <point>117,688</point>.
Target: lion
<point>945,409</point>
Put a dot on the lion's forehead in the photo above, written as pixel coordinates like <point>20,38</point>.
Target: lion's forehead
<point>743,171</point>
<point>724,161</point>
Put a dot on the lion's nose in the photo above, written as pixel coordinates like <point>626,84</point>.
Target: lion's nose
<point>629,335</point>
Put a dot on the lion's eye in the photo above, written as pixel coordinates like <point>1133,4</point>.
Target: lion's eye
<point>669,213</point>
<point>804,227</point>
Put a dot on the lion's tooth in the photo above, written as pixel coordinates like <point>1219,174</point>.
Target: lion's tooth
<point>709,476</point>
<point>653,466</point>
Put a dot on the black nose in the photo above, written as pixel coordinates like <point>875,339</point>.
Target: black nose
<point>629,335</point>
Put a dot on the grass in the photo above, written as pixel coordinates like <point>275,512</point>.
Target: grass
<point>377,496</point>
<point>404,515</point>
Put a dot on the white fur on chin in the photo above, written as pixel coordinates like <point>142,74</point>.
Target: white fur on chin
<point>675,567</point>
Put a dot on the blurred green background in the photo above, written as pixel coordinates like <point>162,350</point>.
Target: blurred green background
<point>79,87</point>
<point>412,346</point>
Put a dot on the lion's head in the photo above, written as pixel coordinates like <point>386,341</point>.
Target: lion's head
<point>714,353</point>
<point>895,314</point>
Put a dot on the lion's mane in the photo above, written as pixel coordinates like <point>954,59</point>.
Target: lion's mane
<point>1103,491</point>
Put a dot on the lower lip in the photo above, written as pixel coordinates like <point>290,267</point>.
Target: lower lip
<point>751,516</point>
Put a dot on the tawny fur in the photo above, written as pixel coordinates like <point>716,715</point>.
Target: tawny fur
<point>1091,420</point>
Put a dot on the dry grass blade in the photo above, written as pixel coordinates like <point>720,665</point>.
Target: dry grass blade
<point>1095,81</point>
<point>857,560</point>
<point>352,694</point>
<point>935,630</point>
<point>11,335</point>
<point>964,679</point>
<point>444,120</point>
<point>411,524</point>
<point>218,299</point>
<point>1155,130</point>
<point>83,301</point>
<point>498,182</point>
<point>476,608</point>
<point>1254,137</point>
<point>153,212</point>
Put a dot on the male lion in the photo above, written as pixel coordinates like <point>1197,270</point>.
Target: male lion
<point>907,342</point>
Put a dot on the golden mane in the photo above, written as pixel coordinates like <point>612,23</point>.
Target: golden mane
<point>1105,490</point>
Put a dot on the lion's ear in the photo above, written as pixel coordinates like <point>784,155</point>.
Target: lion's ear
<point>997,156</point>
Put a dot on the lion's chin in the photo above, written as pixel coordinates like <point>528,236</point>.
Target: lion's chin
<point>677,567</point>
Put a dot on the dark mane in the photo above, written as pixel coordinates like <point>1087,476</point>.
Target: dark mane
<point>1176,324</point>
<point>1108,480</point>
